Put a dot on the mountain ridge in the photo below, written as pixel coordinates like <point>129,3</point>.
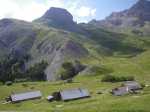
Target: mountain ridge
<point>135,16</point>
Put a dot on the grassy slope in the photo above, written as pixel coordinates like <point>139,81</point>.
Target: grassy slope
<point>137,66</point>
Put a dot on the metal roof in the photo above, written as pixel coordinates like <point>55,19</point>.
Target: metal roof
<point>25,96</point>
<point>120,91</point>
<point>132,85</point>
<point>128,86</point>
<point>74,94</point>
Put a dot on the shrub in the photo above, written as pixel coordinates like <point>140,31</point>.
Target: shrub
<point>11,67</point>
<point>36,72</point>
<point>69,80</point>
<point>9,83</point>
<point>21,80</point>
<point>69,70</point>
<point>111,78</point>
<point>78,66</point>
<point>25,85</point>
<point>143,85</point>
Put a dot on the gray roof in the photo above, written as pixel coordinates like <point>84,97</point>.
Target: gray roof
<point>132,85</point>
<point>120,91</point>
<point>128,86</point>
<point>74,94</point>
<point>25,96</point>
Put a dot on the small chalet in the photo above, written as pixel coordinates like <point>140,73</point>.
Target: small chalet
<point>128,87</point>
<point>120,91</point>
<point>25,96</point>
<point>71,94</point>
<point>132,85</point>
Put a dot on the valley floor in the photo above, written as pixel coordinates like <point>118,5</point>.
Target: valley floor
<point>138,66</point>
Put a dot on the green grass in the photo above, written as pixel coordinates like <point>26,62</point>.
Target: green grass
<point>137,67</point>
<point>97,103</point>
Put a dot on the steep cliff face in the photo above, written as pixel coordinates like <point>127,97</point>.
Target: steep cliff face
<point>68,50</point>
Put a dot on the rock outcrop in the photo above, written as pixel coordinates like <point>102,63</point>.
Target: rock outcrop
<point>59,18</point>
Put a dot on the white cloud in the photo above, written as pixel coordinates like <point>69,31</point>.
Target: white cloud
<point>85,11</point>
<point>93,12</point>
<point>55,3</point>
<point>31,9</point>
<point>7,8</point>
<point>30,12</point>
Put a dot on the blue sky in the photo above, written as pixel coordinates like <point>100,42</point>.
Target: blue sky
<point>82,10</point>
<point>106,7</point>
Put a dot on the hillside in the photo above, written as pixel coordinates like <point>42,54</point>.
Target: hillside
<point>41,43</point>
<point>138,66</point>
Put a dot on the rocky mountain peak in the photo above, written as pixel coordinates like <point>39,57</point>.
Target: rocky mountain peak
<point>61,19</point>
<point>58,14</point>
<point>141,9</point>
<point>142,3</point>
<point>57,17</point>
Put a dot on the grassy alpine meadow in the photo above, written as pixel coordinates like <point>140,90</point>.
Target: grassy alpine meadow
<point>105,102</point>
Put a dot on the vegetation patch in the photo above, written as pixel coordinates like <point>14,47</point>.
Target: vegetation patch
<point>69,70</point>
<point>111,78</point>
<point>13,69</point>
